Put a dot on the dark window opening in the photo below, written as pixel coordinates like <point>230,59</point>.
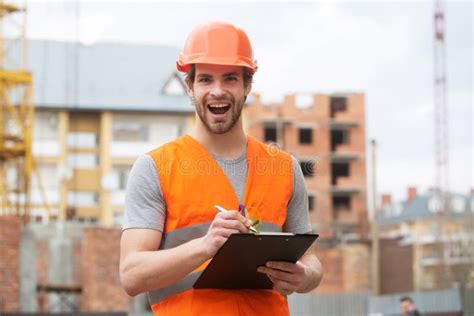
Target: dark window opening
<point>310,203</point>
<point>339,170</point>
<point>338,104</point>
<point>308,168</point>
<point>306,135</point>
<point>87,219</point>
<point>339,137</point>
<point>341,203</point>
<point>270,134</point>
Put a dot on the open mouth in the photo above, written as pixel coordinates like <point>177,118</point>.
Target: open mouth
<point>218,108</point>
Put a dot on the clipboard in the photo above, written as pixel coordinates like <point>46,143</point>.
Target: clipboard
<point>235,264</point>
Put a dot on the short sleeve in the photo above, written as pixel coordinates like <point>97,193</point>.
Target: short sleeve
<point>144,203</point>
<point>297,218</point>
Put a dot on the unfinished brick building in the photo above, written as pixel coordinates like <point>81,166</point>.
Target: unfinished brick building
<point>326,133</point>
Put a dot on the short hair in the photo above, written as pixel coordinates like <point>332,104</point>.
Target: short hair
<point>406,299</point>
<point>191,74</point>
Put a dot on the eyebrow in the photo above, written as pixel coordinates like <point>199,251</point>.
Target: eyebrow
<point>233,73</point>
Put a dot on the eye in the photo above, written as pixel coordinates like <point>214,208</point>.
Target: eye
<point>204,80</point>
<point>232,78</point>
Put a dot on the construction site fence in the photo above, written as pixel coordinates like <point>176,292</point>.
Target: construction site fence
<point>449,302</point>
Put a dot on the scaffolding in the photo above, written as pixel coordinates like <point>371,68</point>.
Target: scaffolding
<point>16,114</point>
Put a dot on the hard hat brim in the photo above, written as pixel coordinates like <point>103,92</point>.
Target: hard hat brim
<point>184,66</point>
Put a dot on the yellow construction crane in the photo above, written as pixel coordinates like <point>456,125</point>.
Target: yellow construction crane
<point>16,114</point>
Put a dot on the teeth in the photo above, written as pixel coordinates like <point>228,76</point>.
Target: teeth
<point>221,105</point>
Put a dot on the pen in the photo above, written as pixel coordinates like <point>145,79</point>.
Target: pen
<point>220,209</point>
<point>242,209</point>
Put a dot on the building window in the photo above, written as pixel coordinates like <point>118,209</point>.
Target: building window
<point>306,135</point>
<point>82,140</point>
<point>339,170</point>
<point>310,203</point>
<point>46,126</point>
<point>131,131</point>
<point>339,137</point>
<point>338,104</point>
<point>341,203</point>
<point>122,173</point>
<point>174,86</point>
<point>87,219</point>
<point>270,133</point>
<point>308,168</point>
<point>82,161</point>
<point>82,199</point>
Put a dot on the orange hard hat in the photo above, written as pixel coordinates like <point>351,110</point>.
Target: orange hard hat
<point>217,43</point>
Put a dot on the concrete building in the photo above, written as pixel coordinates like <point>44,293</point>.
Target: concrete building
<point>435,250</point>
<point>97,108</point>
<point>326,133</point>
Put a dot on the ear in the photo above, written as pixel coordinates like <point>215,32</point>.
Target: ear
<point>189,90</point>
<point>247,89</point>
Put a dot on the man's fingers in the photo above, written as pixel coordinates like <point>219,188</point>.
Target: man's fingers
<point>283,287</point>
<point>236,222</point>
<point>230,224</point>
<point>234,215</point>
<point>286,266</point>
<point>223,232</point>
<point>229,215</point>
<point>276,274</point>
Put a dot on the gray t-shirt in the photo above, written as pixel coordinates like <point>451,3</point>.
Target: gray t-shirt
<point>146,208</point>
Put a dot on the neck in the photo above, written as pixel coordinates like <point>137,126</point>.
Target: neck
<point>226,146</point>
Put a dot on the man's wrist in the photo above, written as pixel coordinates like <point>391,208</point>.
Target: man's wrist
<point>202,249</point>
<point>308,276</point>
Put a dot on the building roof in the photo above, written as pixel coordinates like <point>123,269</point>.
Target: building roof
<point>122,77</point>
<point>424,207</point>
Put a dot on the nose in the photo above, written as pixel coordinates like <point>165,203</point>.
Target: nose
<point>217,89</point>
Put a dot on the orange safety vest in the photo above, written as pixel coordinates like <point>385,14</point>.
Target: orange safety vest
<point>192,182</point>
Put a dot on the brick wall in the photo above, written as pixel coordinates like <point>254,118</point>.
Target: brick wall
<point>396,267</point>
<point>10,235</point>
<point>331,260</point>
<point>100,271</point>
<point>42,256</point>
<point>345,268</point>
<point>355,267</point>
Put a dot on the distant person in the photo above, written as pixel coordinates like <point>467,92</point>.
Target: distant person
<point>171,226</point>
<point>408,307</point>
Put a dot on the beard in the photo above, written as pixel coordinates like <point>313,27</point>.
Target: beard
<point>220,126</point>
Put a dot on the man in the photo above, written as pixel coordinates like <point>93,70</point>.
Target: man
<point>172,229</point>
<point>407,307</point>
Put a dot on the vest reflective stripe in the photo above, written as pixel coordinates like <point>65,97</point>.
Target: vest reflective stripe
<point>192,182</point>
<point>182,285</point>
<point>183,235</point>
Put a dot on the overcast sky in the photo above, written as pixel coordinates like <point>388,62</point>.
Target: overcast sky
<point>383,49</point>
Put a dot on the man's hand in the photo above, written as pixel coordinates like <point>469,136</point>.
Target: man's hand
<point>286,277</point>
<point>224,225</point>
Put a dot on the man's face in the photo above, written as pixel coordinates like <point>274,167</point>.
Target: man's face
<point>219,95</point>
<point>406,307</point>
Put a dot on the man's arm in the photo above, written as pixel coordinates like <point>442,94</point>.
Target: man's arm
<point>144,268</point>
<point>314,271</point>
